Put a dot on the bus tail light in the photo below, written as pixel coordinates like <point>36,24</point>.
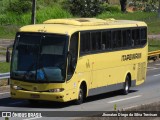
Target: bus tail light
<point>56,90</point>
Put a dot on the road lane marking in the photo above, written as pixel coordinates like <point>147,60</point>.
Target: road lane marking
<point>153,69</point>
<point>157,64</point>
<point>4,93</point>
<point>150,67</point>
<point>156,75</point>
<point>32,118</point>
<point>125,99</point>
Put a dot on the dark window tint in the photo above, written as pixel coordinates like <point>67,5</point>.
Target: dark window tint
<point>96,41</point>
<point>116,39</point>
<point>135,37</point>
<point>85,42</point>
<point>126,36</point>
<point>72,58</point>
<point>143,36</point>
<point>106,40</point>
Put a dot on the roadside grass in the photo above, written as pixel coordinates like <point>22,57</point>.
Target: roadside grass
<point>151,18</point>
<point>3,82</point>
<point>11,22</point>
<point>153,26</point>
<point>8,31</point>
<point>4,67</point>
<point>51,12</point>
<point>153,44</point>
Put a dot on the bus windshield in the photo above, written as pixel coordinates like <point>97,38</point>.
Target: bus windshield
<point>39,57</point>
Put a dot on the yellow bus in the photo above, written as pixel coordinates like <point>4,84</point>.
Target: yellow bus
<point>71,59</point>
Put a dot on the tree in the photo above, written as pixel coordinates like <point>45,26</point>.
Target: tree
<point>85,8</point>
<point>123,5</point>
<point>159,10</point>
<point>20,6</point>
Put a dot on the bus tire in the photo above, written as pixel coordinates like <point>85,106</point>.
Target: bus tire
<point>126,87</point>
<point>80,96</point>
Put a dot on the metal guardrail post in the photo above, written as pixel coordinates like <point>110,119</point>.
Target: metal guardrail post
<point>4,76</point>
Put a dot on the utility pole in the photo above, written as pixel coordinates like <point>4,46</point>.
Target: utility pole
<point>33,17</point>
<point>123,4</point>
<point>159,10</point>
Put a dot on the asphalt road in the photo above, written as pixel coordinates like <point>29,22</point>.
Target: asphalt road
<point>146,93</point>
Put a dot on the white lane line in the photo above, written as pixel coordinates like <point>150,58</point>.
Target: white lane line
<point>157,64</point>
<point>154,69</point>
<point>150,67</point>
<point>32,118</point>
<point>156,75</point>
<point>4,93</point>
<point>125,99</point>
<point>16,103</point>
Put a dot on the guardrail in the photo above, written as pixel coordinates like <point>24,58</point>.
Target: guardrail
<point>4,76</point>
<point>154,55</point>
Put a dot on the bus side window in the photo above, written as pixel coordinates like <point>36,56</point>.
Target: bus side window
<point>143,36</point>
<point>72,58</point>
<point>96,41</point>
<point>126,36</point>
<point>116,38</point>
<point>136,37</point>
<point>106,39</point>
<point>85,42</point>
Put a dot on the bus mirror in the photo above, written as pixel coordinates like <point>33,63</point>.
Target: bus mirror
<point>8,56</point>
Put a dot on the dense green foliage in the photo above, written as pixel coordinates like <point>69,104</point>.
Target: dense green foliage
<point>16,13</point>
<point>43,13</point>
<point>20,6</point>
<point>85,8</point>
<point>145,5</point>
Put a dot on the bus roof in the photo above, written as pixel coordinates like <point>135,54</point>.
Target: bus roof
<point>69,26</point>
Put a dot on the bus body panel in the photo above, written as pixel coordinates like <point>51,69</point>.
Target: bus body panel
<point>102,71</point>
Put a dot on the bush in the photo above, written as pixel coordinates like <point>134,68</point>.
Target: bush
<point>84,8</point>
<point>145,5</point>
<point>112,8</point>
<point>20,6</point>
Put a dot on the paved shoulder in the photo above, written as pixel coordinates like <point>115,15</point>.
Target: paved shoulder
<point>154,36</point>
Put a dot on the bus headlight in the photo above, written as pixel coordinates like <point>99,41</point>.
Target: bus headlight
<point>56,90</point>
<point>16,87</point>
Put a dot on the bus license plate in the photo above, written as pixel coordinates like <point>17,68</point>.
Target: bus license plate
<point>35,96</point>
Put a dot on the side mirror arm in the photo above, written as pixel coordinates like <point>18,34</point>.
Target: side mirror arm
<point>8,55</point>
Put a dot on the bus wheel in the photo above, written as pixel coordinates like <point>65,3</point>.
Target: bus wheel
<point>126,86</point>
<point>80,96</point>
